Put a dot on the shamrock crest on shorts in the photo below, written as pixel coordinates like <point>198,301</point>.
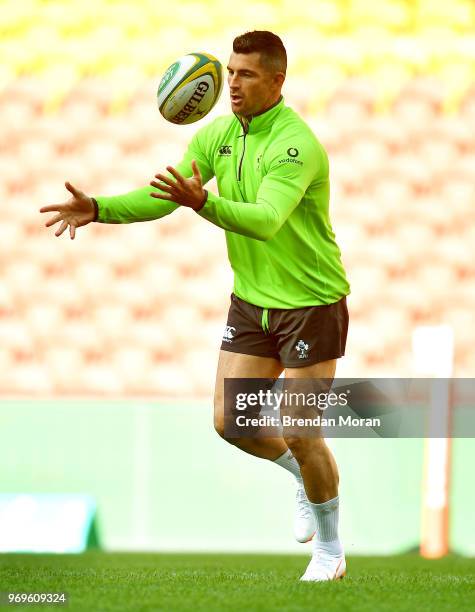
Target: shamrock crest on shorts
<point>302,349</point>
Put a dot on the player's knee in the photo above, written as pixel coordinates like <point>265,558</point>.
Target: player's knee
<point>299,447</point>
<point>295,445</point>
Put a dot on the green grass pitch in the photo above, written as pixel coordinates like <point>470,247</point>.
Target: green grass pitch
<point>97,581</point>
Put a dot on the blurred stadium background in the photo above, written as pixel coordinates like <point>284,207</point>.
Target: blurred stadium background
<point>108,344</point>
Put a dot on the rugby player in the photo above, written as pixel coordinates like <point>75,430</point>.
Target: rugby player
<point>288,308</point>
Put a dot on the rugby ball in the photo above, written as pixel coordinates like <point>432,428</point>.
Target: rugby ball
<point>190,88</point>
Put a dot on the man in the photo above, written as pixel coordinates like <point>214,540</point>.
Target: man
<point>288,310</point>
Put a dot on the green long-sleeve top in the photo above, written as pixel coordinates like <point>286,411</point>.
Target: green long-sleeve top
<point>273,182</point>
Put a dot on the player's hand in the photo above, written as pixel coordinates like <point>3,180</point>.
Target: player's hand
<point>185,191</point>
<point>79,210</point>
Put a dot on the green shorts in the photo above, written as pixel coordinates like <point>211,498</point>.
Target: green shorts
<point>297,337</point>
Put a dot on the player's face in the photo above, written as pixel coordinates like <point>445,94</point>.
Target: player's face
<point>252,87</point>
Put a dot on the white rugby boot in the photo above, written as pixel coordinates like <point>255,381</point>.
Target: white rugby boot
<point>324,567</point>
<point>304,522</point>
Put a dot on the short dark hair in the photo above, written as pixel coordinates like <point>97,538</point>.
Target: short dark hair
<point>269,45</point>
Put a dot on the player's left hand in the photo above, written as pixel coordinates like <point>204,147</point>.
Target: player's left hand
<point>185,191</point>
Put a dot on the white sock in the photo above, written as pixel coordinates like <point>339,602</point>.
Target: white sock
<point>289,462</point>
<point>326,519</point>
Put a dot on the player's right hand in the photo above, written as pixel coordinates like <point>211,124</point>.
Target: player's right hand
<point>79,210</point>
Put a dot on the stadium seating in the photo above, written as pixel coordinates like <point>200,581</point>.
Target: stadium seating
<point>388,88</point>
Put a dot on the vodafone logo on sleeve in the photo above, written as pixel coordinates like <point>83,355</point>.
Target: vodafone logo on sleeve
<point>292,153</point>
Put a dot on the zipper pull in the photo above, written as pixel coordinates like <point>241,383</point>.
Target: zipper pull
<point>244,124</point>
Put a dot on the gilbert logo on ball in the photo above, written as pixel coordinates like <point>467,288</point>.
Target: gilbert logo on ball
<point>190,88</point>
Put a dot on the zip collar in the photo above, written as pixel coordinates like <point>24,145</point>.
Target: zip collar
<point>261,121</point>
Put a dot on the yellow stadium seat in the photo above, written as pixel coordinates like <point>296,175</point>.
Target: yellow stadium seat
<point>97,378</point>
<point>426,88</point>
<point>432,212</point>
<point>453,252</point>
<point>345,174</point>
<point>458,16</point>
<point>363,342</point>
<point>458,131</point>
<point>29,378</point>
<point>408,296</point>
<point>394,16</point>
<point>438,154</point>
<point>458,194</point>
<point>168,379</point>
<point>130,363</point>
<point>369,156</point>
<point>150,335</point>
<point>411,168</point>
<point>383,128</point>
<point>62,363</point>
<point>200,364</point>
<point>439,281</point>
<point>372,278</point>
<point>394,191</point>
<point>417,237</point>
<point>10,234</point>
<point>15,337</point>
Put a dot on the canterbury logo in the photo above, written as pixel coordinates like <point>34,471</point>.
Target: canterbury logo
<point>224,150</point>
<point>228,334</point>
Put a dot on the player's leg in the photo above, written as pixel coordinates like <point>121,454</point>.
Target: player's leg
<point>320,475</point>
<point>248,350</point>
<point>237,365</point>
<point>317,464</point>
